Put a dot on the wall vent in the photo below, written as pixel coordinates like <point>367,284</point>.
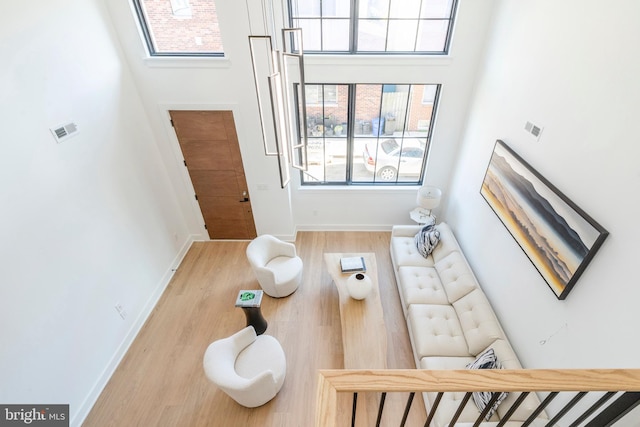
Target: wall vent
<point>534,130</point>
<point>64,132</point>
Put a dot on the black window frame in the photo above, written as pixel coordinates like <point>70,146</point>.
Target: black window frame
<point>148,39</point>
<point>353,31</point>
<point>350,139</point>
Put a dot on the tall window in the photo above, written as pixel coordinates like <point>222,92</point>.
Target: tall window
<point>374,26</point>
<point>368,133</point>
<point>180,27</point>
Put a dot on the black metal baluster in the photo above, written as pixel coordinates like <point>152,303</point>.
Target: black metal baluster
<point>353,410</point>
<point>513,408</point>
<point>540,408</point>
<point>463,403</point>
<point>485,411</point>
<point>381,407</point>
<point>566,408</point>
<point>433,409</point>
<point>618,409</point>
<point>593,408</point>
<point>406,409</point>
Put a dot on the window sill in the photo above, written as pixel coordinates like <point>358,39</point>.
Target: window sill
<point>379,189</point>
<point>186,62</point>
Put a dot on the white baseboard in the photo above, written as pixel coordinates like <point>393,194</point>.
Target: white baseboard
<point>82,412</point>
<point>345,227</point>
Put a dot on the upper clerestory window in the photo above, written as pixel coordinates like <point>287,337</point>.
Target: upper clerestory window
<point>180,27</point>
<point>374,26</point>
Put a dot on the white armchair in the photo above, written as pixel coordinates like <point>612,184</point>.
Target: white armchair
<point>276,265</point>
<point>248,368</point>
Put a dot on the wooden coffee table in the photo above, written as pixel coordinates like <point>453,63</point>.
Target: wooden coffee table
<point>364,335</point>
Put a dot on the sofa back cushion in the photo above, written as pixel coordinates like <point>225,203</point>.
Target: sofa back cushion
<point>479,324</point>
<point>456,276</point>
<point>447,244</point>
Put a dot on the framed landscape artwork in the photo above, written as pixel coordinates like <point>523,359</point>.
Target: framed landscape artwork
<point>559,238</point>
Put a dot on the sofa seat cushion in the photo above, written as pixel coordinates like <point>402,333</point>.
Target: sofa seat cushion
<point>405,252</point>
<point>436,331</point>
<point>445,362</point>
<point>456,276</point>
<point>420,285</point>
<point>479,324</point>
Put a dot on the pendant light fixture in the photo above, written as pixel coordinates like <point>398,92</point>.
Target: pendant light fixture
<point>280,90</point>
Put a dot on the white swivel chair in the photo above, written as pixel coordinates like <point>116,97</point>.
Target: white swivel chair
<point>249,368</point>
<point>276,265</point>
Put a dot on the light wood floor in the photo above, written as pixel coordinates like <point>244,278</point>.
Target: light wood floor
<point>161,382</point>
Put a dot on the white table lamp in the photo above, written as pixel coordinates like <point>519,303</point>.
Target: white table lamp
<point>427,199</point>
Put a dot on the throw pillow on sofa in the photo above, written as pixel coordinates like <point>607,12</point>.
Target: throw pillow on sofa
<point>486,360</point>
<point>427,239</point>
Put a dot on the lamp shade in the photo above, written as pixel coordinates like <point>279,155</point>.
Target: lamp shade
<point>428,197</point>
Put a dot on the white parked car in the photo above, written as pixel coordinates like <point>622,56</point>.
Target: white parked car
<point>389,158</point>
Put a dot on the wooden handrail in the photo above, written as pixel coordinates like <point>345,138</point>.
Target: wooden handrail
<point>331,382</point>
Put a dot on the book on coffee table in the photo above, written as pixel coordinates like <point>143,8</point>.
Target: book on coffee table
<point>352,264</point>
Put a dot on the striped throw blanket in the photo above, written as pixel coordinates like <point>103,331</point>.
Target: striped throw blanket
<point>427,239</point>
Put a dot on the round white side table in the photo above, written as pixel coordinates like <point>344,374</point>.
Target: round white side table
<point>422,216</point>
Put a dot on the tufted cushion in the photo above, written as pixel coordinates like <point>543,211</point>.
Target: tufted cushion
<point>448,242</point>
<point>421,285</point>
<point>436,331</point>
<point>456,276</point>
<point>479,323</point>
<point>405,252</point>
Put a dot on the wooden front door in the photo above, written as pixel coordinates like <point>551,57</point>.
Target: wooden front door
<point>209,144</point>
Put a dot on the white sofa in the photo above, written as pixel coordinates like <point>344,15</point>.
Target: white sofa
<point>449,318</point>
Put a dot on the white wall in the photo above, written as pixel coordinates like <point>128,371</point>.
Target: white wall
<point>216,84</point>
<point>219,83</point>
<point>85,223</point>
<point>572,67</point>
<point>102,217</point>
<point>377,208</point>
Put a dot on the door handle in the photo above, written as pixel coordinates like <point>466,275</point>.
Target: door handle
<point>245,197</point>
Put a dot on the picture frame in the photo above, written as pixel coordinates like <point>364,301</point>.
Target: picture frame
<point>558,237</point>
